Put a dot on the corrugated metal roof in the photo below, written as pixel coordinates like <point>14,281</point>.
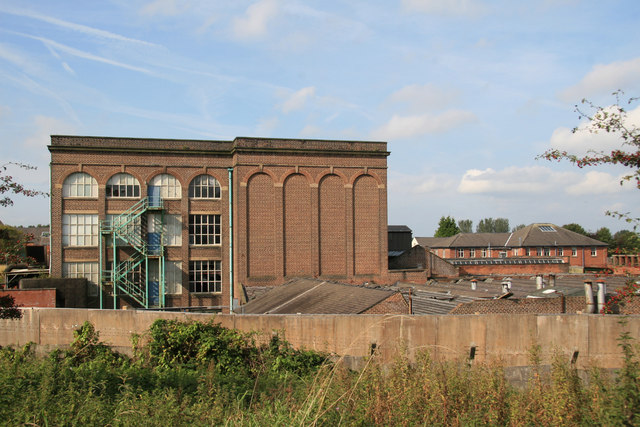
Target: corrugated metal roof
<point>312,296</point>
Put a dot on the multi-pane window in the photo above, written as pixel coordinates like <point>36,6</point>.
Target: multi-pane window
<point>516,252</point>
<point>128,231</point>
<point>171,228</point>
<point>560,251</point>
<point>485,253</point>
<point>594,251</point>
<point>547,251</point>
<point>87,270</point>
<point>80,230</point>
<point>204,229</point>
<point>172,276</point>
<point>472,253</point>
<point>204,187</point>
<point>528,251</point>
<point>574,251</point>
<point>169,186</point>
<point>460,253</point>
<point>205,276</point>
<point>122,185</point>
<point>539,251</point>
<point>80,184</point>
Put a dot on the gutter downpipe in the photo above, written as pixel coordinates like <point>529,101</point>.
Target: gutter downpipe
<point>230,170</point>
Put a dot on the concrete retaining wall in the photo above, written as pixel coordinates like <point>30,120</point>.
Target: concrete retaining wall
<point>508,338</point>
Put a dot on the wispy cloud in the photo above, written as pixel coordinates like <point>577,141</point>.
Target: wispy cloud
<point>399,127</point>
<point>253,24</point>
<point>95,32</point>
<point>604,79</point>
<point>596,182</point>
<point>449,7</point>
<point>511,180</point>
<point>82,54</point>
<point>165,7</point>
<point>422,98</point>
<point>298,99</point>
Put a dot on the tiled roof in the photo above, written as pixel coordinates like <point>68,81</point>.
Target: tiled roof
<point>312,296</point>
<point>532,235</point>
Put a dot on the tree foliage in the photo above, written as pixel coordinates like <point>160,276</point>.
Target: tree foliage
<point>9,185</point>
<point>613,120</point>
<point>576,228</point>
<point>490,225</point>
<point>447,227</point>
<point>518,227</point>
<point>465,226</point>
<point>12,245</point>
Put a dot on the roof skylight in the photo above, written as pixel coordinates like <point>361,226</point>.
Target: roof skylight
<point>546,228</point>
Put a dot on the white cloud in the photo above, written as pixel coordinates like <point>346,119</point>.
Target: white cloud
<point>583,141</point>
<point>266,126</point>
<point>421,98</point>
<point>604,79</point>
<point>255,20</point>
<point>529,179</point>
<point>420,183</point>
<point>596,182</point>
<point>298,99</point>
<point>448,7</point>
<point>408,126</point>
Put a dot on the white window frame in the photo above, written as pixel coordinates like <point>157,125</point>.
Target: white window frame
<point>539,251</point>
<point>472,253</point>
<point>135,227</point>
<point>594,251</point>
<point>170,187</point>
<point>204,230</point>
<point>80,230</point>
<point>205,276</point>
<point>172,276</point>
<point>122,183</point>
<point>486,253</point>
<point>86,270</point>
<point>80,185</point>
<point>574,251</point>
<point>460,252</point>
<point>204,187</point>
<point>546,251</point>
<point>560,251</point>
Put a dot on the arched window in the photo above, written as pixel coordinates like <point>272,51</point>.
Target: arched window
<point>166,186</point>
<point>123,185</point>
<point>204,187</point>
<point>80,184</point>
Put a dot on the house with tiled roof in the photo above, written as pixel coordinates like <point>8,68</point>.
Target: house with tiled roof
<point>540,244</point>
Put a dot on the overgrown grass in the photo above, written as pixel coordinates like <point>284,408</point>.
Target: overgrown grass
<point>204,374</point>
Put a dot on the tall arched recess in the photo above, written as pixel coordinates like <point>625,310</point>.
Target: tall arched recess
<point>366,227</point>
<point>297,226</point>
<point>333,227</point>
<point>261,227</point>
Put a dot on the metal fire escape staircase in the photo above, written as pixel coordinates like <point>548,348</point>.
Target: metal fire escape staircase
<point>128,272</point>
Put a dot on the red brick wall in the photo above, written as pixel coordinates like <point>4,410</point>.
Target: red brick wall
<point>297,227</point>
<point>483,270</point>
<point>294,210</point>
<point>32,297</point>
<point>333,227</point>
<point>366,226</point>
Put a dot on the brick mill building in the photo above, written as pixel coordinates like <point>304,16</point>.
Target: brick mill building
<point>186,223</point>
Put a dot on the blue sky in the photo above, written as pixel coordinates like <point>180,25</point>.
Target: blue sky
<point>466,92</point>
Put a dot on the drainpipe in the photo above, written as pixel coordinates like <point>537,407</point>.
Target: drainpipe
<point>602,292</point>
<point>230,170</point>
<point>588,294</point>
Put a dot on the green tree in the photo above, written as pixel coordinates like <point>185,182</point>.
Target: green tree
<point>626,242</point>
<point>447,227</point>
<point>465,226</point>
<point>490,225</point>
<point>576,228</point>
<point>518,227</point>
<point>12,245</point>
<point>604,235</point>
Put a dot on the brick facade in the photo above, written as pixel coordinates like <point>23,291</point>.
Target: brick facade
<point>300,207</point>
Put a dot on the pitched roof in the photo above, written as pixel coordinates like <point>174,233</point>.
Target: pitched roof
<point>398,229</point>
<point>313,296</point>
<point>538,234</point>
<point>549,234</point>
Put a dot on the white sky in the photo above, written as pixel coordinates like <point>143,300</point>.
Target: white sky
<point>466,92</point>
